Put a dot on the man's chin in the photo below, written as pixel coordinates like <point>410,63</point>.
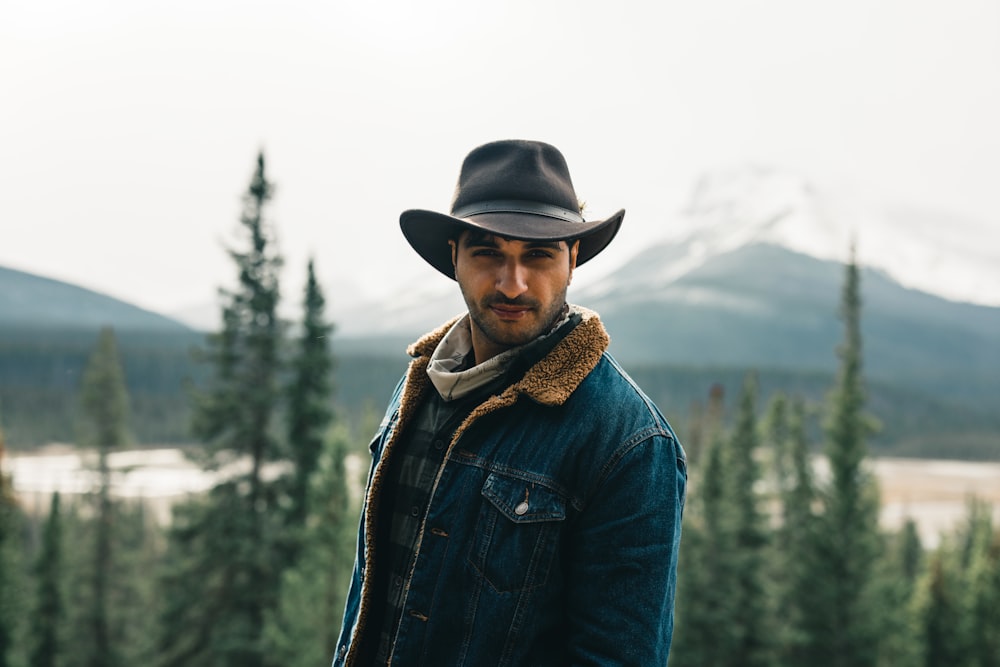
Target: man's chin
<point>510,334</point>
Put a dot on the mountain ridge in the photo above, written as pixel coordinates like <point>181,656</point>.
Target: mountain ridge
<point>28,300</point>
<point>933,252</point>
<point>933,364</point>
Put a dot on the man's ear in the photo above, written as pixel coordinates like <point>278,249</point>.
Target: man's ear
<point>574,250</point>
<point>454,254</point>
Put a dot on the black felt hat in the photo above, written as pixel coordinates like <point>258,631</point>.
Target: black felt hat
<point>514,189</point>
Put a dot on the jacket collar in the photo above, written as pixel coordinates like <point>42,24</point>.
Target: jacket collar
<point>550,381</point>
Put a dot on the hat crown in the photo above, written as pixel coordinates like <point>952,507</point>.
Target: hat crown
<point>515,189</point>
<point>515,170</point>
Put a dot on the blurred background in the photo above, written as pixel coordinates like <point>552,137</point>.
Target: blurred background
<point>760,150</point>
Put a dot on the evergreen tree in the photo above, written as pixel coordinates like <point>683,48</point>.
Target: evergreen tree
<point>749,592</point>
<point>722,615</point>
<point>795,542</point>
<point>319,580</point>
<point>309,394</point>
<point>228,562</point>
<point>134,597</point>
<point>11,593</point>
<point>104,402</point>
<point>936,617</point>
<point>777,443</point>
<point>694,609</point>
<point>208,593</point>
<point>981,608</point>
<point>49,613</point>
<point>846,613</point>
<point>900,570</point>
<point>233,417</point>
<point>974,534</point>
<point>703,634</point>
<point>909,553</point>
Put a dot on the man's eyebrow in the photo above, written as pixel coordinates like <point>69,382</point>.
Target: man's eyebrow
<point>488,240</point>
<point>550,245</point>
<point>477,238</point>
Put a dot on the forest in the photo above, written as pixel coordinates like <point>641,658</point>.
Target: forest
<point>779,566</point>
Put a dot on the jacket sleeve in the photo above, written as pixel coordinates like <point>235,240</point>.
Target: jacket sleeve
<point>622,562</point>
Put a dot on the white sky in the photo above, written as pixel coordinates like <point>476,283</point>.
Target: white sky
<point>129,129</point>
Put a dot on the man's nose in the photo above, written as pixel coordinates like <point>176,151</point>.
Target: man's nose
<point>512,279</point>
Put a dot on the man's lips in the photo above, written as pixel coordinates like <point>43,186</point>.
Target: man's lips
<point>505,312</point>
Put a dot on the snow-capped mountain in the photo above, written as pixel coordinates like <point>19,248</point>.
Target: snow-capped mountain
<point>751,276</point>
<point>947,256</point>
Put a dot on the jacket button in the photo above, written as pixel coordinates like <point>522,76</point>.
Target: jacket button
<point>521,509</point>
<point>439,445</point>
<point>414,511</point>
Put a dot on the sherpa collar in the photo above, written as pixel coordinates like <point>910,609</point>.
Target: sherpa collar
<point>553,379</point>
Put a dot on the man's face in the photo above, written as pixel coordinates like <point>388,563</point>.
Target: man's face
<point>514,289</point>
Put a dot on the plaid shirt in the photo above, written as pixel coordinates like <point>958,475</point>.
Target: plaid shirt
<point>410,477</point>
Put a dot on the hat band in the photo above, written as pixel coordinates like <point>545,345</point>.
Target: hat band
<point>517,206</point>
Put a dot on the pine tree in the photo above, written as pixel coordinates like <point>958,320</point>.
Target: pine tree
<point>309,394</point>
<point>936,615</point>
<point>703,634</point>
<point>319,580</point>
<point>981,607</point>
<point>795,542</point>
<point>138,553</point>
<point>900,570</point>
<point>777,443</point>
<point>225,560</point>
<point>104,402</point>
<point>749,592</point>
<point>233,417</point>
<point>11,593</point>
<point>49,613</point>
<point>320,516</point>
<point>909,552</point>
<point>722,614</point>
<point>846,628</point>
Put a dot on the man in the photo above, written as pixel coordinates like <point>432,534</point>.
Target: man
<point>525,497</point>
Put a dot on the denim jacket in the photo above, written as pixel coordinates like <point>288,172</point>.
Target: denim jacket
<point>553,527</point>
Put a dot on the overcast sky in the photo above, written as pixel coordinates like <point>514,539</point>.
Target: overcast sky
<point>129,129</point>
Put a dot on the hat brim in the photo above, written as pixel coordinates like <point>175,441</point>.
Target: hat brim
<point>428,232</point>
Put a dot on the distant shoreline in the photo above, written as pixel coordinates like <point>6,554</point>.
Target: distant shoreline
<point>933,492</point>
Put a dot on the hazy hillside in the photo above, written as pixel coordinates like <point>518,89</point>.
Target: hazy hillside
<point>757,305</point>
<point>763,305</point>
<point>933,365</point>
<point>31,301</point>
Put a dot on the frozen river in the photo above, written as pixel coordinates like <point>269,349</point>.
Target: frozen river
<point>158,476</point>
<point>934,493</point>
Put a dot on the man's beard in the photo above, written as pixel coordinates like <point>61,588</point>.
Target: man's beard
<point>496,333</point>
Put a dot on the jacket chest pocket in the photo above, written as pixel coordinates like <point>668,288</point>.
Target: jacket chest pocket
<point>516,533</point>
